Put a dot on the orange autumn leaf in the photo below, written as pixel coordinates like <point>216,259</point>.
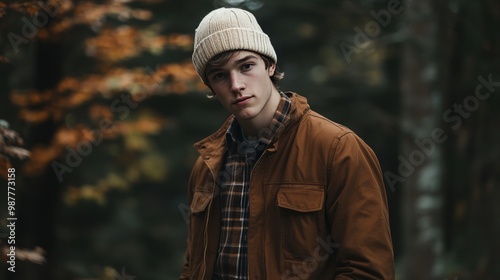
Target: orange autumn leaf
<point>33,9</point>
<point>34,116</point>
<point>114,44</point>
<point>68,83</point>
<point>40,158</point>
<point>142,14</point>
<point>67,137</point>
<point>98,112</point>
<point>20,99</point>
<point>78,98</point>
<point>31,97</point>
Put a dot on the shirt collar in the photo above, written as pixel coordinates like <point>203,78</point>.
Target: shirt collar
<point>234,133</point>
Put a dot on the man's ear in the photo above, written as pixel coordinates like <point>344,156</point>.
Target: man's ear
<point>271,69</point>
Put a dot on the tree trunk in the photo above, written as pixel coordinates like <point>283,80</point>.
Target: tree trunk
<point>421,157</point>
<point>40,198</point>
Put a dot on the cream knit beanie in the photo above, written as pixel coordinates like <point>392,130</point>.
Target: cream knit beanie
<point>226,29</point>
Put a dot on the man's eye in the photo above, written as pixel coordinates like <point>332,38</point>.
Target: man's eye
<point>218,76</point>
<point>247,66</point>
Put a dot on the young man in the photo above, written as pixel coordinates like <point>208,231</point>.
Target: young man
<point>279,191</point>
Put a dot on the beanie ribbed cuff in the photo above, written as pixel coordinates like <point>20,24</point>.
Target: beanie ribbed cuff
<point>231,39</point>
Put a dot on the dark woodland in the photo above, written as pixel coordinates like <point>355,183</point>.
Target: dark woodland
<point>100,106</point>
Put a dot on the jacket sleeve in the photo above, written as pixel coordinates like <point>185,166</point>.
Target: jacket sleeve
<point>357,212</point>
<point>185,269</point>
<point>185,275</point>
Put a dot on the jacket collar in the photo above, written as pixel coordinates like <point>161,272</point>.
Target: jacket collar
<point>213,146</point>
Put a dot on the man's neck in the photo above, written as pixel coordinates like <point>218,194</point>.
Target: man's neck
<point>252,127</point>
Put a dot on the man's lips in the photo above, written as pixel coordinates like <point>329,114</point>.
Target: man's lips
<point>242,100</point>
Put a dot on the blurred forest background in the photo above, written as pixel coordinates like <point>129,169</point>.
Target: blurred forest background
<point>100,106</point>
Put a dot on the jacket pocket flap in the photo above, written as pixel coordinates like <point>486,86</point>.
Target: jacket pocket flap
<point>200,201</point>
<point>300,199</point>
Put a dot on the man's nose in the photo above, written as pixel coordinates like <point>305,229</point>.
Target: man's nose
<point>237,83</point>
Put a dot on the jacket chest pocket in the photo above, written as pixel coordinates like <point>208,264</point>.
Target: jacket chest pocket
<point>301,211</point>
<point>200,207</point>
<point>200,202</point>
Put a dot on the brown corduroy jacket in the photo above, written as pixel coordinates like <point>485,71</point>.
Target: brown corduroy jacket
<point>318,208</point>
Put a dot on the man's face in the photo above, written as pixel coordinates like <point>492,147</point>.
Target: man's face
<point>243,85</point>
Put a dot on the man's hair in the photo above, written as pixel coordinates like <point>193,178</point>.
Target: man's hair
<point>222,58</point>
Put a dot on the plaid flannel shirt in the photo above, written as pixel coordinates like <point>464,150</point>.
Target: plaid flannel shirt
<point>240,157</point>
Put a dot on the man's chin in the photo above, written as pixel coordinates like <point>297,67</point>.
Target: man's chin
<point>244,115</point>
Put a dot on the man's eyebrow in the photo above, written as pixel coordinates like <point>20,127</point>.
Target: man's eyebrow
<point>212,70</point>
<point>239,61</point>
<point>250,56</point>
